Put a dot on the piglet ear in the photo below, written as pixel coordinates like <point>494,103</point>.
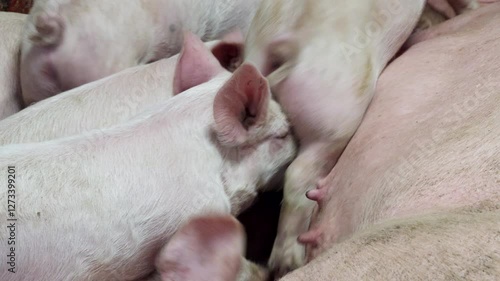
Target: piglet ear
<point>206,248</point>
<point>240,105</point>
<point>229,51</point>
<point>196,64</point>
<point>229,55</point>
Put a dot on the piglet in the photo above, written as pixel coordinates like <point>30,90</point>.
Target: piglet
<point>111,100</point>
<point>119,194</point>
<point>68,43</point>
<point>457,245</point>
<point>322,59</point>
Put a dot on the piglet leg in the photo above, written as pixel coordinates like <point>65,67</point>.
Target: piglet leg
<point>314,162</point>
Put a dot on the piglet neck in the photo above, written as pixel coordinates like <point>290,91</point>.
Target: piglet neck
<point>239,185</point>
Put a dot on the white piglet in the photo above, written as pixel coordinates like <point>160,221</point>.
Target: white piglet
<point>68,43</point>
<point>322,59</point>
<point>108,101</point>
<point>99,206</point>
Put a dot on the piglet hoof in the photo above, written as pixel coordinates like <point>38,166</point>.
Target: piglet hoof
<point>287,258</point>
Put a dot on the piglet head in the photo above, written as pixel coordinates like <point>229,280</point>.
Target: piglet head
<point>275,54</point>
<point>251,127</point>
<point>206,248</point>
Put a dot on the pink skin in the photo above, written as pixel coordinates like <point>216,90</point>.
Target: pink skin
<point>189,75</point>
<point>97,106</point>
<point>59,54</point>
<point>426,142</point>
<point>68,43</point>
<point>231,165</point>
